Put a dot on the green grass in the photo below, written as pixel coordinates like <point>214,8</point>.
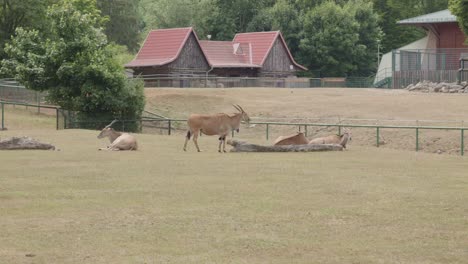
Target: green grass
<point>163,205</point>
<point>24,118</point>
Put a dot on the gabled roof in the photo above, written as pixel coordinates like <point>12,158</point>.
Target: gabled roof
<point>443,16</point>
<point>262,42</point>
<point>161,47</point>
<point>248,50</point>
<point>227,54</point>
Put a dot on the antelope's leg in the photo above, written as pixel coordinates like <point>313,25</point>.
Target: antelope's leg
<point>224,144</point>
<point>220,142</point>
<point>195,140</point>
<point>187,138</point>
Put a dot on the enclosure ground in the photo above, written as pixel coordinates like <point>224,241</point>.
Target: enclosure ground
<point>160,204</point>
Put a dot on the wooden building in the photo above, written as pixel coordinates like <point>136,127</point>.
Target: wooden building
<point>435,57</point>
<point>179,52</point>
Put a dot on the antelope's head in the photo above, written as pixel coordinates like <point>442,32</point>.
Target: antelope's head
<point>347,132</point>
<point>244,116</point>
<point>107,130</point>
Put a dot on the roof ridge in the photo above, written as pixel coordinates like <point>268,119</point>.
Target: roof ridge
<point>164,29</point>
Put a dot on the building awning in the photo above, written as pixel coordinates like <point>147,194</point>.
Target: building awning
<point>444,16</point>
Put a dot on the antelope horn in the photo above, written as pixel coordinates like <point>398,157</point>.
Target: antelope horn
<point>237,107</point>
<point>113,122</point>
<point>242,110</point>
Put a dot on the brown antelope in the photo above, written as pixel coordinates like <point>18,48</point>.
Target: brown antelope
<point>118,140</point>
<point>218,124</point>
<point>334,139</point>
<point>294,139</point>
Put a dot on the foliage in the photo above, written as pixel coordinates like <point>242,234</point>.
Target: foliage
<point>30,14</point>
<point>125,23</point>
<point>391,11</point>
<point>459,8</point>
<point>75,64</point>
<point>335,42</point>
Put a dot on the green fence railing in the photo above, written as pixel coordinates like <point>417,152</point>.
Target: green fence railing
<point>38,106</point>
<point>304,127</point>
<point>170,125</point>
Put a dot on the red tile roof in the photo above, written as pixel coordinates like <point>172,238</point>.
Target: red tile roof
<point>226,54</point>
<point>250,50</point>
<point>262,42</point>
<point>161,47</point>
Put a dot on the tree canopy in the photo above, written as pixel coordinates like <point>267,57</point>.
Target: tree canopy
<point>74,63</point>
<point>460,9</point>
<point>373,21</point>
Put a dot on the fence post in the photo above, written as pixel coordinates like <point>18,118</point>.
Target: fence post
<point>378,136</point>
<point>305,130</point>
<point>3,116</point>
<point>267,128</point>
<point>462,142</point>
<point>339,130</point>
<point>38,104</point>
<point>232,132</point>
<point>57,118</point>
<point>417,139</point>
<point>169,127</point>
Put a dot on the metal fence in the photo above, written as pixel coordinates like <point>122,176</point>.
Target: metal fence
<point>170,126</point>
<point>4,115</point>
<point>158,125</point>
<point>200,81</point>
<point>437,65</point>
<point>10,90</point>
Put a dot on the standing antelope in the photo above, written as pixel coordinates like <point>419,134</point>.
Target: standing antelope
<point>218,124</point>
<point>118,140</point>
<point>333,139</point>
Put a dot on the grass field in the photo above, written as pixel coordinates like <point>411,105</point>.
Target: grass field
<point>163,205</point>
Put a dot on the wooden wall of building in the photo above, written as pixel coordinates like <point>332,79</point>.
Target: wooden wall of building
<point>278,62</point>
<point>191,57</point>
<point>451,36</point>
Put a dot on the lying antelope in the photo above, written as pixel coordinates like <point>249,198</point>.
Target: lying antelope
<point>218,124</point>
<point>118,140</point>
<point>294,139</point>
<point>334,139</point>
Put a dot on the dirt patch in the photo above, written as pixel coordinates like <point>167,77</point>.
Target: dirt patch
<point>329,105</point>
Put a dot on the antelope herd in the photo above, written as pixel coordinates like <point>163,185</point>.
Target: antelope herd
<point>300,139</point>
<point>221,125</point>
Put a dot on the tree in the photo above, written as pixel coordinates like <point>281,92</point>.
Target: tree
<point>29,14</point>
<point>125,23</point>
<point>74,64</point>
<point>370,35</point>
<point>330,40</point>
<point>459,8</point>
<point>391,11</point>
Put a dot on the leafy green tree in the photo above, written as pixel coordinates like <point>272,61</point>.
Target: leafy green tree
<point>460,9</point>
<point>391,11</point>
<point>330,42</point>
<point>75,65</point>
<point>125,23</point>
<point>29,14</point>
<point>370,35</point>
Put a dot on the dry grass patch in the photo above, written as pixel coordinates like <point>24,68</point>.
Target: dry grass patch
<point>161,204</point>
<point>328,105</point>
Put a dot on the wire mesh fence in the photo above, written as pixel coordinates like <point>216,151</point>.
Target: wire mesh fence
<point>10,90</point>
<point>200,81</point>
<point>436,65</point>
